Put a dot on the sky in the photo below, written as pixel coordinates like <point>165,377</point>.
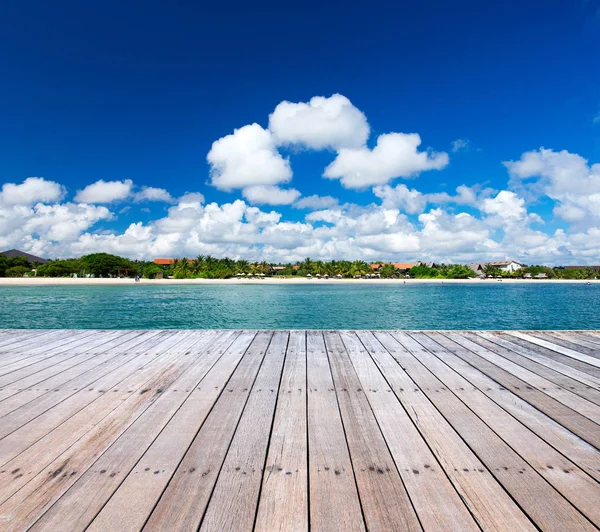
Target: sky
<point>433,130</point>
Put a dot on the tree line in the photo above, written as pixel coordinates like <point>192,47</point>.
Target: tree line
<point>208,267</point>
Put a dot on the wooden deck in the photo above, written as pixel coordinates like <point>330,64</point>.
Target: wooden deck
<point>286,431</point>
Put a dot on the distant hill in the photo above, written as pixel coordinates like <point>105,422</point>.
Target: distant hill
<point>16,253</point>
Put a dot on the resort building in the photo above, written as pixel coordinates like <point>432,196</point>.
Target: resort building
<point>401,266</point>
<point>168,262</point>
<point>478,268</point>
<point>507,266</point>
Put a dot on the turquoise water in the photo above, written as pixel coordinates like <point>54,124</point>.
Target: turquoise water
<point>325,306</point>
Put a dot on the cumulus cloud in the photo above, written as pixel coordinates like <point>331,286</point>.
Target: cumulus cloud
<point>316,202</point>
<point>565,177</point>
<point>153,194</point>
<point>506,205</point>
<point>32,190</point>
<point>412,201</point>
<point>248,157</point>
<point>105,191</point>
<point>37,227</point>
<point>460,145</point>
<point>395,155</point>
<point>460,235</point>
<point>237,229</point>
<point>270,195</point>
<point>321,123</point>
<point>192,198</point>
<point>408,200</point>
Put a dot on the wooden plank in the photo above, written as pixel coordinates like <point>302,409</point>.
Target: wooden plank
<point>18,394</point>
<point>39,345</point>
<point>184,501</point>
<point>44,488</point>
<point>549,353</point>
<point>485,497</point>
<point>234,500</point>
<point>591,337</point>
<point>437,503</point>
<point>576,341</point>
<point>551,375</point>
<point>566,397</point>
<point>18,360</point>
<point>385,502</point>
<point>568,479</point>
<point>53,366</point>
<point>23,343</point>
<point>567,417</point>
<point>129,507</point>
<point>15,337</point>
<point>331,478</point>
<point>283,501</point>
<point>87,496</point>
<point>66,422</point>
<point>592,361</point>
<point>524,484</point>
<point>573,447</point>
<point>71,397</point>
<point>565,369</point>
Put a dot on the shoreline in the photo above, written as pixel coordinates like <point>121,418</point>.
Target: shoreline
<point>68,281</point>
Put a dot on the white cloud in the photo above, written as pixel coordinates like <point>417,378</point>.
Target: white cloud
<point>32,190</point>
<point>460,145</point>
<point>395,155</point>
<point>315,202</point>
<point>105,191</point>
<point>38,227</point>
<point>270,195</point>
<point>321,123</point>
<point>506,205</point>
<point>461,235</point>
<point>191,198</point>
<point>246,158</point>
<point>236,229</point>
<point>408,200</point>
<point>64,222</point>
<point>153,194</point>
<point>412,201</point>
<point>596,119</point>
<point>564,177</point>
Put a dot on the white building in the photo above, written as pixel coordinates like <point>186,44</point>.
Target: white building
<point>507,266</point>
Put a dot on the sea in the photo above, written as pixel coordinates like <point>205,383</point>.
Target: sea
<point>314,306</point>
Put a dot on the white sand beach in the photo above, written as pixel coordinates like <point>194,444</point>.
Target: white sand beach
<point>68,281</point>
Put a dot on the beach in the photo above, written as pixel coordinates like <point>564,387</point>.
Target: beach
<point>69,281</point>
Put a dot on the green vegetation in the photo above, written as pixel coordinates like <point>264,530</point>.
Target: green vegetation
<point>14,266</point>
<point>97,264</point>
<point>441,271</point>
<point>584,273</point>
<point>332,268</point>
<point>17,271</point>
<point>207,267</point>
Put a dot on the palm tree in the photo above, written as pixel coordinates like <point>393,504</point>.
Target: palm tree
<point>242,266</point>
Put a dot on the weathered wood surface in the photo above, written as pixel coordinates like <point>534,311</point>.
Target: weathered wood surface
<point>299,430</point>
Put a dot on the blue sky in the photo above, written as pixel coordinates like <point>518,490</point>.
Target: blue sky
<point>138,92</point>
